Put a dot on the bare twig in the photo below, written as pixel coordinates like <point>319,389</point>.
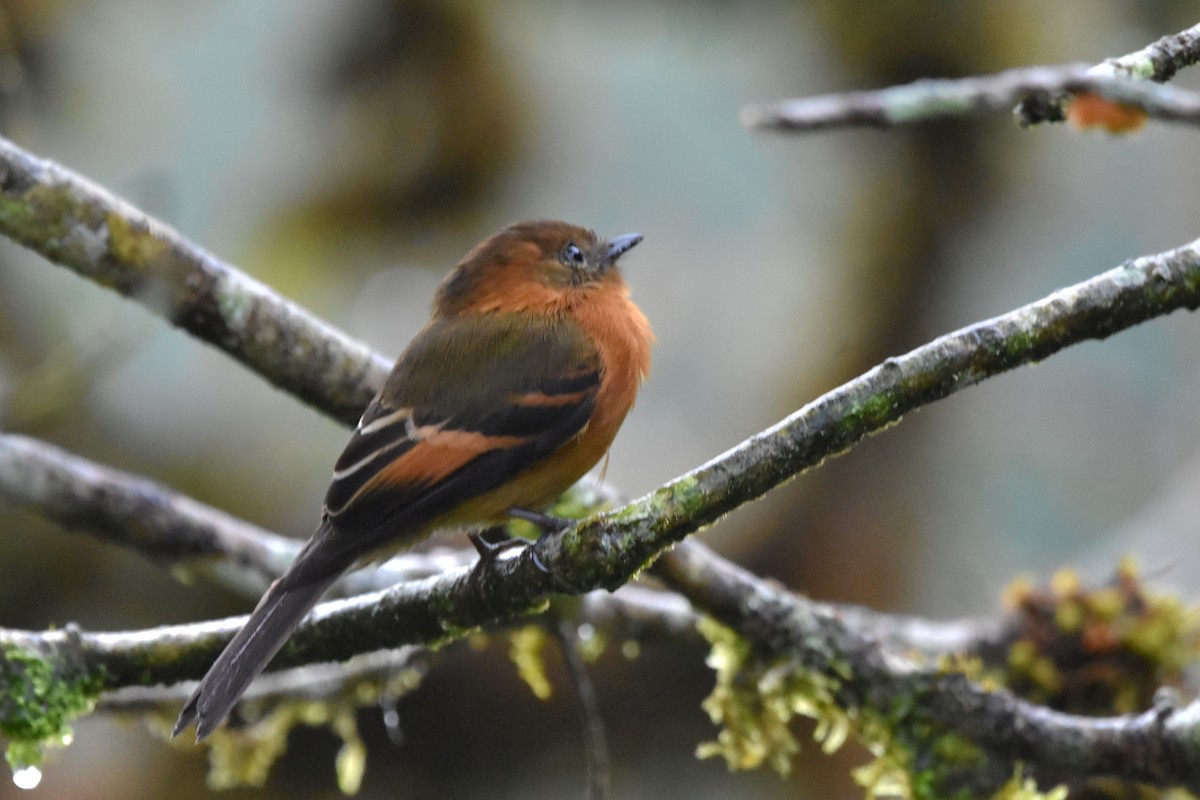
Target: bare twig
<point>75,223</point>
<point>595,743</point>
<point>1156,747</point>
<point>311,682</point>
<point>931,99</point>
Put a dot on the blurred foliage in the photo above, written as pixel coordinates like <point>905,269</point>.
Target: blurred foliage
<point>1098,651</point>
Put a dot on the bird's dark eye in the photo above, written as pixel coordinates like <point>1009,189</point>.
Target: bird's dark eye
<point>572,256</point>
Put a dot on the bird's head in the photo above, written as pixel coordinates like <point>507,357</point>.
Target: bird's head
<point>533,266</point>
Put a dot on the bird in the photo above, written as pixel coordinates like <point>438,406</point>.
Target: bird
<point>532,357</point>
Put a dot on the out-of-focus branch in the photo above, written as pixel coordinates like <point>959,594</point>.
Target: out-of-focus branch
<point>931,99</point>
<point>137,513</point>
<point>74,223</point>
<point>317,682</point>
<point>1157,747</point>
<point>1156,62</point>
<point>168,527</point>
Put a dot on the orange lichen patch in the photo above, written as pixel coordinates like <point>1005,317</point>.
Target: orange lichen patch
<point>1087,110</point>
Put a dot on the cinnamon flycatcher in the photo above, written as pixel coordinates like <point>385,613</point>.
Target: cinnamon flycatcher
<point>513,390</point>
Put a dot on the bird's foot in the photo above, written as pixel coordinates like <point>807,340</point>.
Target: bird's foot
<point>493,541</point>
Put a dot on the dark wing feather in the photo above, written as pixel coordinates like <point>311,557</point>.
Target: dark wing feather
<point>449,426</point>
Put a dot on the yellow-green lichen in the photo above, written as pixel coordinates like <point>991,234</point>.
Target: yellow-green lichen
<point>133,245</point>
<point>526,648</point>
<point>38,699</point>
<point>754,703</point>
<point>244,755</point>
<point>1021,788</point>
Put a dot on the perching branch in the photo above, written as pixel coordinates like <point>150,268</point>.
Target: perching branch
<point>932,99</point>
<point>1158,747</point>
<point>74,223</point>
<point>172,529</point>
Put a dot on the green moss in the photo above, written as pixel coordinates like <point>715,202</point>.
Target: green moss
<point>526,648</point>
<point>754,702</point>
<point>42,213</point>
<point>38,699</point>
<point>133,245</point>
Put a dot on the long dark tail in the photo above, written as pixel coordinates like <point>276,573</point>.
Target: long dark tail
<point>277,615</point>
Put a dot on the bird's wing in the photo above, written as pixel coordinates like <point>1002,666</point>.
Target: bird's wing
<point>470,404</point>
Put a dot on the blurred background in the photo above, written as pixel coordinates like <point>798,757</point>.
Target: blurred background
<point>349,154</point>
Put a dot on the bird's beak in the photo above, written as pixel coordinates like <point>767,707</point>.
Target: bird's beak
<point>618,245</point>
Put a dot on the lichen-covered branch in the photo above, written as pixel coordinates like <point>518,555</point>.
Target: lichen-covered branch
<point>866,678</point>
<point>931,99</point>
<point>169,528</point>
<point>1156,62</point>
<point>74,223</point>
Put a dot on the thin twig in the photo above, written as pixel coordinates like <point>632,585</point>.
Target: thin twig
<point>311,682</point>
<point>931,99</point>
<point>595,743</point>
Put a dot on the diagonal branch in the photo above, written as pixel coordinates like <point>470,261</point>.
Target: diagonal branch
<point>79,225</point>
<point>606,550</point>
